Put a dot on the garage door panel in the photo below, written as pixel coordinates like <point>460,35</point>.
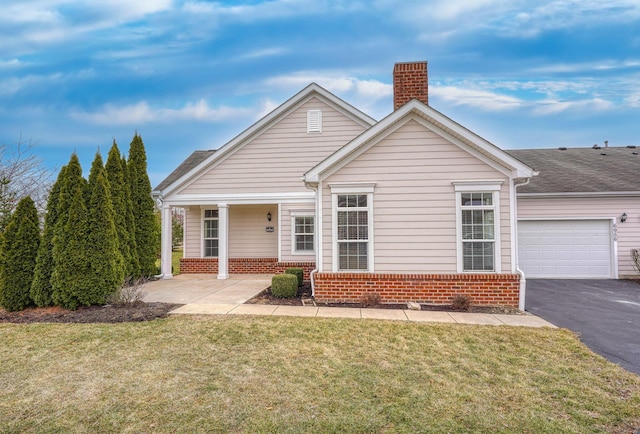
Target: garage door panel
<point>565,248</point>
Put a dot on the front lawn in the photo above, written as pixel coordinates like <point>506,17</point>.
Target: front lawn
<point>277,374</point>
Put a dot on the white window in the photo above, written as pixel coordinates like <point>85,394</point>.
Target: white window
<point>352,225</point>
<point>210,233</point>
<point>478,231</point>
<point>314,121</point>
<point>478,228</point>
<point>302,230</point>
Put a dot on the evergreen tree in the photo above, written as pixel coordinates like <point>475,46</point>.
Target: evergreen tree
<point>122,206</point>
<point>103,253</point>
<point>41,288</point>
<point>147,229</point>
<point>130,222</point>
<point>96,167</point>
<point>72,269</point>
<point>20,247</point>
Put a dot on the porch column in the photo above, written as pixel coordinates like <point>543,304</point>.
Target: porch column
<point>166,248</point>
<point>223,241</point>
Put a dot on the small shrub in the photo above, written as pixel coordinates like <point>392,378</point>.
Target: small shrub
<point>371,299</point>
<point>298,272</point>
<point>284,285</point>
<point>462,302</point>
<point>130,294</point>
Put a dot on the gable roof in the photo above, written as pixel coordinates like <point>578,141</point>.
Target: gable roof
<point>187,172</point>
<point>433,120</point>
<point>191,161</point>
<point>581,170</point>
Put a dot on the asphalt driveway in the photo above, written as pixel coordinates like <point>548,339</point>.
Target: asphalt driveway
<point>605,314</point>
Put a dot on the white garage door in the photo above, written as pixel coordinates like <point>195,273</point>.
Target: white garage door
<point>565,248</point>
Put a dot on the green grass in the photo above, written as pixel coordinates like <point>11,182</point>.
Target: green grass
<point>278,375</point>
<point>175,261</point>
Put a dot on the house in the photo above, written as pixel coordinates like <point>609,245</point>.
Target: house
<point>414,207</point>
<point>580,218</point>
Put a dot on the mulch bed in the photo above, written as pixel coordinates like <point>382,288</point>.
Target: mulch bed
<point>90,314</point>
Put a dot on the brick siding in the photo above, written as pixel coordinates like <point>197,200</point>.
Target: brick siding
<point>242,266</point>
<point>484,289</point>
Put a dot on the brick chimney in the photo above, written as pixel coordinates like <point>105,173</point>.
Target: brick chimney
<point>410,80</point>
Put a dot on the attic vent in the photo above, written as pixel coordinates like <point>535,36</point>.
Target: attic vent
<point>314,121</point>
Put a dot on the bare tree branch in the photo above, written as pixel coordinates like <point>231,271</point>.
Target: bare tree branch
<point>21,174</point>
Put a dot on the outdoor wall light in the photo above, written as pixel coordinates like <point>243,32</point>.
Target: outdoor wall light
<point>269,216</point>
<point>623,217</point>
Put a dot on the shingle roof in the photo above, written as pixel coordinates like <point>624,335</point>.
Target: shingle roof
<point>192,161</point>
<point>605,169</point>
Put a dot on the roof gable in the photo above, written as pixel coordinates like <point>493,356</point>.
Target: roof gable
<point>186,172</point>
<point>436,122</point>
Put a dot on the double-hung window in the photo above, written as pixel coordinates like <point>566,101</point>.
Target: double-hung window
<point>353,232</point>
<point>210,233</point>
<point>303,229</point>
<point>352,228</point>
<point>478,231</point>
<point>478,228</point>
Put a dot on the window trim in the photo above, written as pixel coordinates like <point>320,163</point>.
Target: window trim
<point>352,189</point>
<point>489,186</point>
<point>202,238</point>
<point>298,214</point>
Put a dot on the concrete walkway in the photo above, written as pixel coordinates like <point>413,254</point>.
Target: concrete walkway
<point>205,295</point>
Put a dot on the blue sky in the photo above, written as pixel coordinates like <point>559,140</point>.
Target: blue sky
<point>187,75</point>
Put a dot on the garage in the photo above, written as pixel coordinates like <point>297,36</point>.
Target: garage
<point>566,248</point>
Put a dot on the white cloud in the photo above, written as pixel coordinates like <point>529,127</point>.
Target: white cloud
<point>633,100</point>
<point>142,113</point>
<point>519,18</point>
<point>12,63</point>
<point>265,52</point>
<point>480,99</point>
<point>268,10</point>
<point>335,83</point>
<point>552,107</point>
<point>46,22</point>
<point>14,85</point>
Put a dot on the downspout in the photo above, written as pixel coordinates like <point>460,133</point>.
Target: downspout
<point>523,279</point>
<point>313,272</point>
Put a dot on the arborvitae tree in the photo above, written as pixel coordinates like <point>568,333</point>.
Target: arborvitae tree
<point>41,288</point>
<point>20,248</point>
<point>72,179</point>
<point>122,206</point>
<point>96,167</point>
<point>72,269</point>
<point>103,253</point>
<point>147,230</point>
<point>130,221</point>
